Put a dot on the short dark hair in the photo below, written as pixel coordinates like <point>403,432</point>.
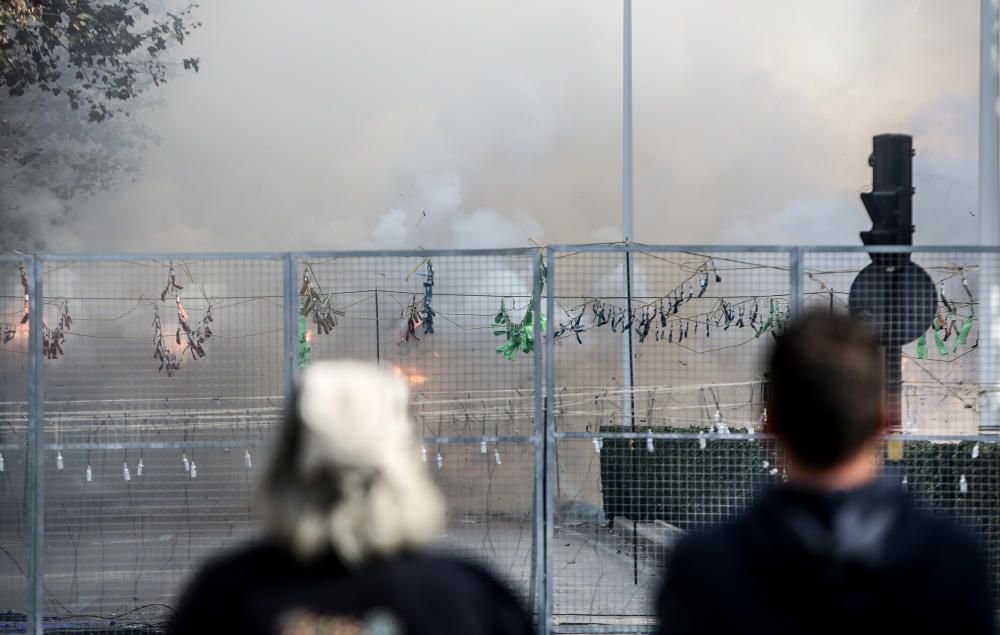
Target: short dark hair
<point>825,388</point>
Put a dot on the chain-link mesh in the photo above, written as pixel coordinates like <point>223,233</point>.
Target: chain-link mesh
<point>657,387</point>
<point>158,404</point>
<point>658,435</point>
<point>929,311</point>
<point>158,419</point>
<point>14,523</point>
<point>430,318</point>
<point>932,312</point>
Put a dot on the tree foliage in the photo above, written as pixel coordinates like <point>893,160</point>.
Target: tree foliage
<point>67,67</point>
<point>96,54</point>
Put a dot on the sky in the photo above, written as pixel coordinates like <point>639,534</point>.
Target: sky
<point>465,123</point>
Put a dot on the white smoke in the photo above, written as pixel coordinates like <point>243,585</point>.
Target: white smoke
<point>435,218</point>
<point>503,123</point>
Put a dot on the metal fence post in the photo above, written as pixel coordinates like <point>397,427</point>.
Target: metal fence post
<point>290,312</point>
<point>550,449</point>
<point>36,456</point>
<point>538,541</point>
<point>795,281</point>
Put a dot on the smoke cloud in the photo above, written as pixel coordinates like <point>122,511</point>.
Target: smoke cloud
<point>452,123</point>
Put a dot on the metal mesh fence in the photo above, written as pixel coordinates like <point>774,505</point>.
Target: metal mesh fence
<point>937,322</point>
<point>648,371</point>
<point>157,419</point>
<point>158,402</point>
<point>14,526</point>
<point>655,435</point>
<point>430,318</point>
<point>942,372</point>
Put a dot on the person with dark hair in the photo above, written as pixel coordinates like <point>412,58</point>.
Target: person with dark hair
<point>348,509</point>
<point>838,548</point>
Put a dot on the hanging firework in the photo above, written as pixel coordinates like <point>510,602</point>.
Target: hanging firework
<point>26,311</point>
<point>172,287</point>
<point>161,351</point>
<point>428,310</point>
<point>315,303</point>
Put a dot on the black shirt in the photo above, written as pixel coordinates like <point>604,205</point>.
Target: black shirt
<point>860,561</point>
<point>263,589</point>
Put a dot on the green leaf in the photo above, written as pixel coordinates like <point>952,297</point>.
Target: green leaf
<point>963,333</point>
<point>938,340</point>
<point>305,349</point>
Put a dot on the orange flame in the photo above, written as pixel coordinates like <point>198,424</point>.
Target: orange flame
<point>414,379</point>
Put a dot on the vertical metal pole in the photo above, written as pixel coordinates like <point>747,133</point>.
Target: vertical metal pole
<point>378,334</point>
<point>36,455</point>
<point>795,281</point>
<point>628,368</point>
<point>550,441</point>
<point>628,206</point>
<point>989,216</point>
<point>538,541</point>
<point>627,174</point>
<point>629,406</point>
<point>291,325</point>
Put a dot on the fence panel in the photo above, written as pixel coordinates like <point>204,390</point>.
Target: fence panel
<point>15,527</point>
<point>474,409</point>
<point>152,434</point>
<point>947,376</point>
<point>654,381</point>
<point>654,404</point>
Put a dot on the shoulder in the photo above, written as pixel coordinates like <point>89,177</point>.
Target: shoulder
<point>700,553</point>
<point>441,570</point>
<point>941,541</point>
<point>920,528</point>
<point>946,566</point>
<point>457,582</point>
<point>244,564</point>
<point>220,583</point>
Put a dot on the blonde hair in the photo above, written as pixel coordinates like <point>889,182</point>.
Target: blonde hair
<point>346,475</point>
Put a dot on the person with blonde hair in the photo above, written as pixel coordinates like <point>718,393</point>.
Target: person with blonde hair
<point>348,510</point>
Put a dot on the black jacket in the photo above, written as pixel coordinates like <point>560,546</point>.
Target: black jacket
<point>263,590</point>
<point>861,561</point>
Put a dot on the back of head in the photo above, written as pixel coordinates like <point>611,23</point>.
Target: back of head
<point>825,388</point>
<point>346,477</point>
